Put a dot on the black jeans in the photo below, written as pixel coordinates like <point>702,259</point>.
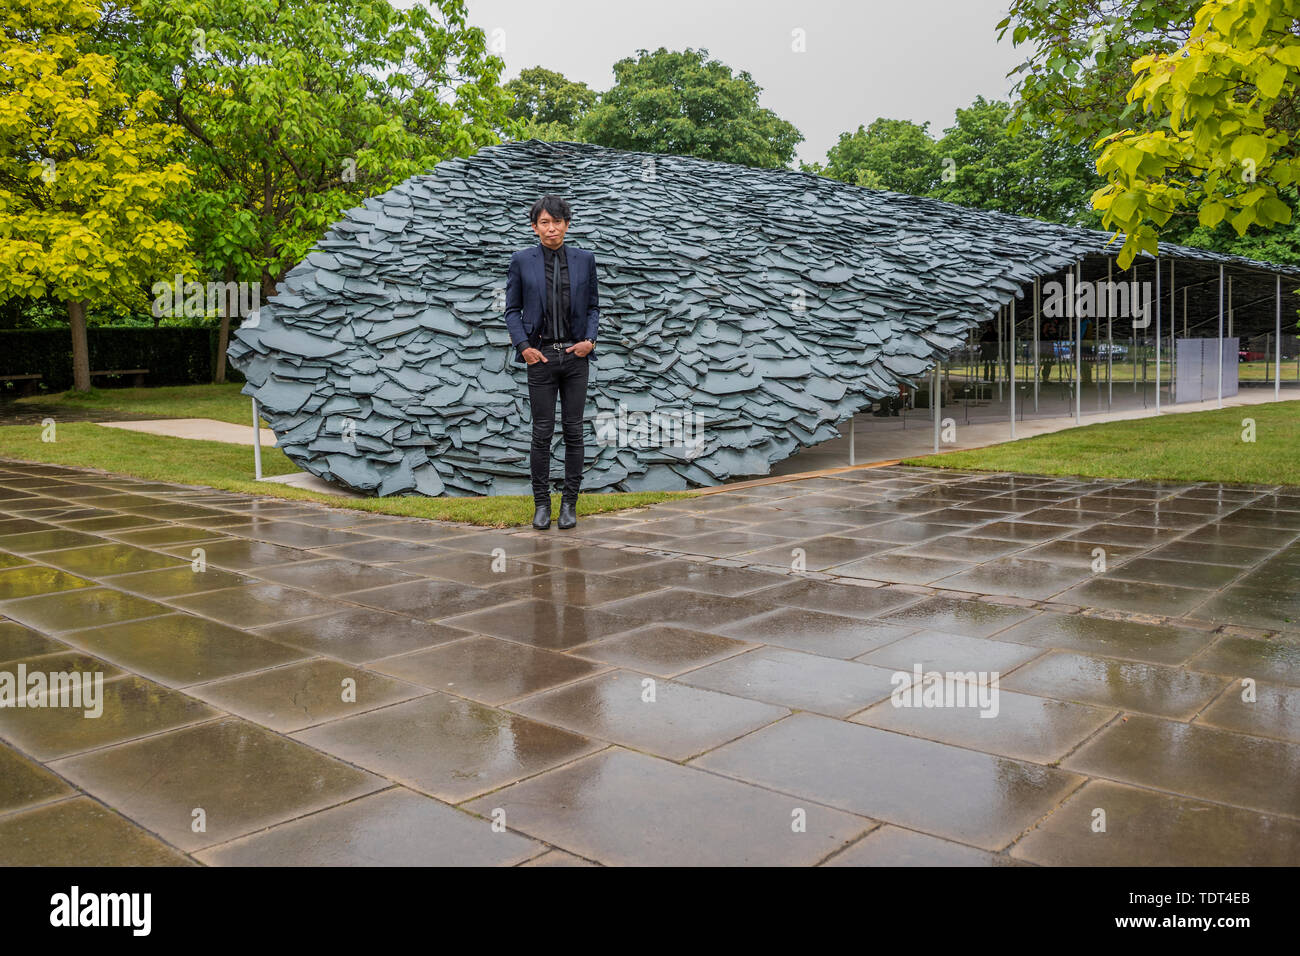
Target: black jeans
<point>566,374</point>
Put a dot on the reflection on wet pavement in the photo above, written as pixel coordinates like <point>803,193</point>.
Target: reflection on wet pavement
<point>661,686</point>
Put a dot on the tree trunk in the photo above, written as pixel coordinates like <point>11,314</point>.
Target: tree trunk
<point>223,336</point>
<point>80,349</point>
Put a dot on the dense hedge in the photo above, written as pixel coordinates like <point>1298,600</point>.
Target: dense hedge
<point>173,356</point>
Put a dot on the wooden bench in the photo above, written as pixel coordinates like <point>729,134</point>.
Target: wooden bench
<point>137,374</point>
<point>28,385</point>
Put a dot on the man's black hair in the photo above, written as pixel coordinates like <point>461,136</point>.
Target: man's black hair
<point>557,206</point>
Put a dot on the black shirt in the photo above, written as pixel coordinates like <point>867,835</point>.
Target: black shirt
<point>557,312</point>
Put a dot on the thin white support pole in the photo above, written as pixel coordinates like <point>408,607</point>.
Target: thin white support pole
<point>257,443</point>
<point>1133,334</point>
<point>1078,345</point>
<point>1173,329</point>
<point>1220,335</point>
<point>1110,333</point>
<point>999,371</point>
<point>852,454</point>
<point>1277,363</point>
<point>934,405</point>
<point>1230,324</point>
<point>1012,328</point>
<point>1184,312</point>
<point>1037,319</point>
<point>1158,334</point>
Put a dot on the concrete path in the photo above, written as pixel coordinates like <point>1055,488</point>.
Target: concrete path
<point>207,429</point>
<point>887,666</point>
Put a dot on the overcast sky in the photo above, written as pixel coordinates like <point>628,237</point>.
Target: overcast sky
<point>917,60</point>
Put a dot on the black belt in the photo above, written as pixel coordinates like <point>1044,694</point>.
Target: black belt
<point>557,345</point>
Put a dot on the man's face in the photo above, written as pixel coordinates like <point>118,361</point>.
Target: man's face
<point>550,231</point>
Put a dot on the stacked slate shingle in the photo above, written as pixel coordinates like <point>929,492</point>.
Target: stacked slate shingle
<point>773,304</point>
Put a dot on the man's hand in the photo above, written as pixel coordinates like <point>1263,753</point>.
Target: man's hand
<point>580,349</point>
<point>533,356</point>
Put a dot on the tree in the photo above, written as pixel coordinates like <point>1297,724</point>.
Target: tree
<point>1018,168</point>
<point>682,103</point>
<point>549,103</point>
<point>298,111</point>
<point>889,154</point>
<point>86,171</point>
<point>1224,103</point>
<point>1076,74</point>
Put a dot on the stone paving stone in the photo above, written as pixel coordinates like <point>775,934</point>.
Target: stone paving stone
<point>485,669</point>
<point>1139,596</point>
<point>849,600</point>
<point>105,560</point>
<point>954,616</point>
<point>819,553</point>
<point>80,608</point>
<point>830,635</point>
<point>1177,573</point>
<point>662,651</point>
<point>557,858</point>
<point>1275,659</point>
<point>1018,577</point>
<point>1197,761</point>
<point>25,784</point>
<point>570,587</point>
<point>393,828</point>
<point>1275,711</point>
<point>1249,607</point>
<point>711,578</point>
<point>1078,553</point>
<point>902,531</point>
<point>294,534</point>
<point>302,694</point>
<point>936,650</point>
<point>334,575</point>
<point>478,570</point>
<point>901,568</point>
<point>1024,727</point>
<point>67,659</point>
<point>629,809</point>
<point>1249,536</point>
<point>242,555</point>
<point>209,766</point>
<point>35,579</point>
<point>543,624</point>
<point>35,542</point>
<point>1027,532</point>
<point>680,722</point>
<point>80,833</point>
<point>257,605</point>
<point>961,548</point>
<point>131,707</point>
<point>944,791</point>
<point>358,635</point>
<point>598,560</point>
<point>679,607</point>
<point>684,526</point>
<point>170,534</point>
<point>722,544</point>
<point>18,642</point>
<point>1122,685</point>
<point>179,581</point>
<point>1155,829</point>
<point>823,685</point>
<point>892,846</point>
<point>383,551</point>
<point>1154,643</point>
<point>449,748</point>
<point>425,599</point>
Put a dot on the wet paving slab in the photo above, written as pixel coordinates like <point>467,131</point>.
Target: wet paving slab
<point>933,667</point>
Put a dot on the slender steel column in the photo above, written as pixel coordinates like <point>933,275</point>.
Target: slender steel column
<point>1036,321</point>
<point>1012,329</point>
<point>1277,363</point>
<point>1221,335</point>
<point>1078,345</point>
<point>1158,334</point>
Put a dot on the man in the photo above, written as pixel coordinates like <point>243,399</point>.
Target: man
<point>552,311</point>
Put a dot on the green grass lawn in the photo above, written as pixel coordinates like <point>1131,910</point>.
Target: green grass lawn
<point>1196,446</point>
<point>230,467</point>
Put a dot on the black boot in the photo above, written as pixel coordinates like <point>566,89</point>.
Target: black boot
<point>542,517</point>
<point>568,516</point>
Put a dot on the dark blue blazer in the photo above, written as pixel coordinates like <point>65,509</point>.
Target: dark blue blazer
<point>526,297</point>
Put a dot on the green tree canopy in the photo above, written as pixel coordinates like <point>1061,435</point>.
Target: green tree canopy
<point>87,171</point>
<point>546,100</point>
<point>685,104</point>
<point>891,154</point>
